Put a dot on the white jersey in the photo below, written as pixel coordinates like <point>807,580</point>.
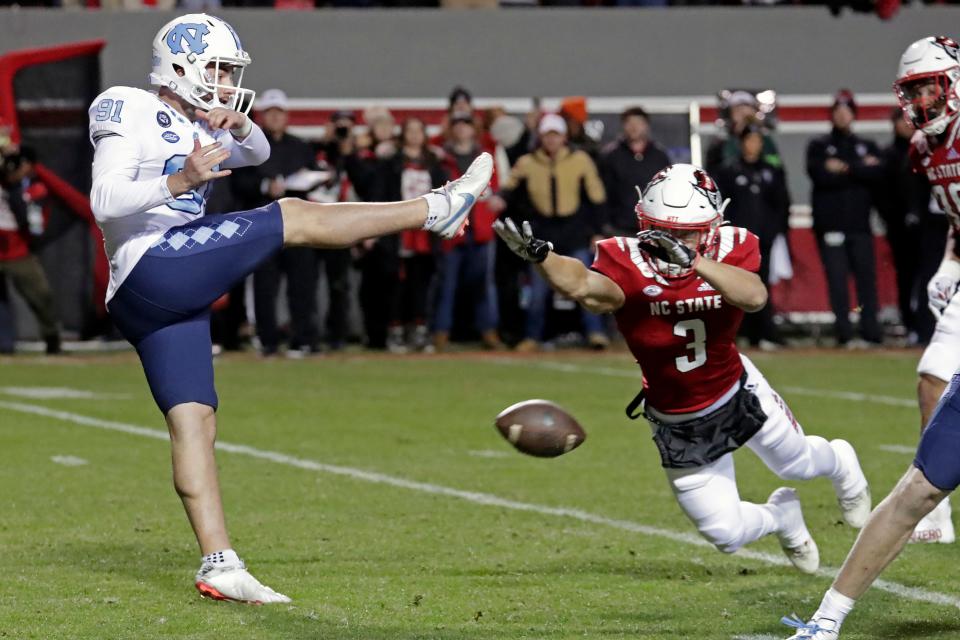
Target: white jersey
<point>139,140</point>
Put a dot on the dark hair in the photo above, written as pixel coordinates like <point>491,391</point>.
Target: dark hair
<point>634,111</point>
<point>406,125</point>
<point>752,126</point>
<point>459,92</point>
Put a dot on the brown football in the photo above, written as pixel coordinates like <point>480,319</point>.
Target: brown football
<point>540,428</point>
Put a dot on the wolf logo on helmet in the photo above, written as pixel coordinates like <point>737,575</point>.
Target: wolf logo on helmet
<point>707,187</point>
<point>949,45</point>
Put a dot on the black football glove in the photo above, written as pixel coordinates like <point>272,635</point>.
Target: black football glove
<point>663,246</point>
<point>522,242</point>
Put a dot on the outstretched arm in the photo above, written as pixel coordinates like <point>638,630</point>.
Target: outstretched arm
<point>569,277</point>
<point>739,287</point>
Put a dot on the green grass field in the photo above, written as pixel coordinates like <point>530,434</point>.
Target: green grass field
<point>376,493</point>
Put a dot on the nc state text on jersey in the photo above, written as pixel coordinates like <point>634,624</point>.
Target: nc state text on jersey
<point>687,305</point>
<point>943,171</point>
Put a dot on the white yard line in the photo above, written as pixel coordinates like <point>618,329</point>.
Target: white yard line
<point>60,393</point>
<point>898,448</point>
<point>69,461</point>
<point>902,591</point>
<point>613,372</point>
<point>488,453</point>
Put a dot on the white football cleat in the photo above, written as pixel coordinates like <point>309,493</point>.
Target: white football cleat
<point>461,195</point>
<point>821,629</point>
<point>232,582</point>
<point>855,504</point>
<point>936,526</point>
<point>795,539</point>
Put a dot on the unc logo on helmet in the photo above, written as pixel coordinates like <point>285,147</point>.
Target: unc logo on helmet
<point>191,33</point>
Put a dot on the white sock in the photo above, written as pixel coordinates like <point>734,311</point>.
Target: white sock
<point>227,556</point>
<point>835,606</point>
<point>438,208</point>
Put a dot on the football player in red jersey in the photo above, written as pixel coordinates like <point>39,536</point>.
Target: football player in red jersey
<point>678,292</point>
<point>928,85</point>
<point>927,89</point>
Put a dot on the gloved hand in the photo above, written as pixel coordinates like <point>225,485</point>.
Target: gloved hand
<point>942,286</point>
<point>522,242</point>
<point>665,247</point>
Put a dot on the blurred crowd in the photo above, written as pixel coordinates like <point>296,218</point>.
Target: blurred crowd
<point>413,293</point>
<point>883,8</point>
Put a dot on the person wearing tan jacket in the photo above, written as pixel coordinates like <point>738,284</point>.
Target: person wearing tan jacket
<point>560,192</point>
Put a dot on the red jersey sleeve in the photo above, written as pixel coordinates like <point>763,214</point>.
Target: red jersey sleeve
<point>612,259</point>
<point>739,248</point>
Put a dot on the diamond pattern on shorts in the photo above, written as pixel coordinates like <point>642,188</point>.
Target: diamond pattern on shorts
<point>189,237</point>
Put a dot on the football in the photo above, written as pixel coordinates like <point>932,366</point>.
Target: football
<point>540,428</point>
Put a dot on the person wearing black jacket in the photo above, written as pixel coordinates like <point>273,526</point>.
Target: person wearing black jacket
<point>902,203</point>
<point>845,170</point>
<point>626,163</point>
<point>759,202</point>
<point>256,186</point>
<point>411,172</point>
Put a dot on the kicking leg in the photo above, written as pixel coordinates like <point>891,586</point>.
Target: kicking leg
<point>443,211</point>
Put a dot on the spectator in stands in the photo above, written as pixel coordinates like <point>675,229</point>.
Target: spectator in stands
<point>257,186</point>
<point>845,170</point>
<point>574,112</point>
<point>412,171</point>
<point>17,262</point>
<point>628,162</point>
<point>759,202</point>
<point>381,137</point>
<point>344,175</point>
<point>743,109</point>
<point>460,101</point>
<point>467,262</point>
<point>378,260</point>
<point>546,188</point>
<point>902,202</point>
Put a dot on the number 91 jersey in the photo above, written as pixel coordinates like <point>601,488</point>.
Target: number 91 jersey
<point>680,330</point>
<point>147,140</point>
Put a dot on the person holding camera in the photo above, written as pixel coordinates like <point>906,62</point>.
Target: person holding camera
<point>17,261</point>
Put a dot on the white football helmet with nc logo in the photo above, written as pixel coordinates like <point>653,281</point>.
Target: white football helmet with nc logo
<point>184,49</point>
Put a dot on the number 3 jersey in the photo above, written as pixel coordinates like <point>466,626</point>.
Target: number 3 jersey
<point>138,141</point>
<point>680,330</point>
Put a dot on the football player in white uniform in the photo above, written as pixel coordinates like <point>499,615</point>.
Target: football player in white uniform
<point>927,83</point>
<point>155,156</point>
